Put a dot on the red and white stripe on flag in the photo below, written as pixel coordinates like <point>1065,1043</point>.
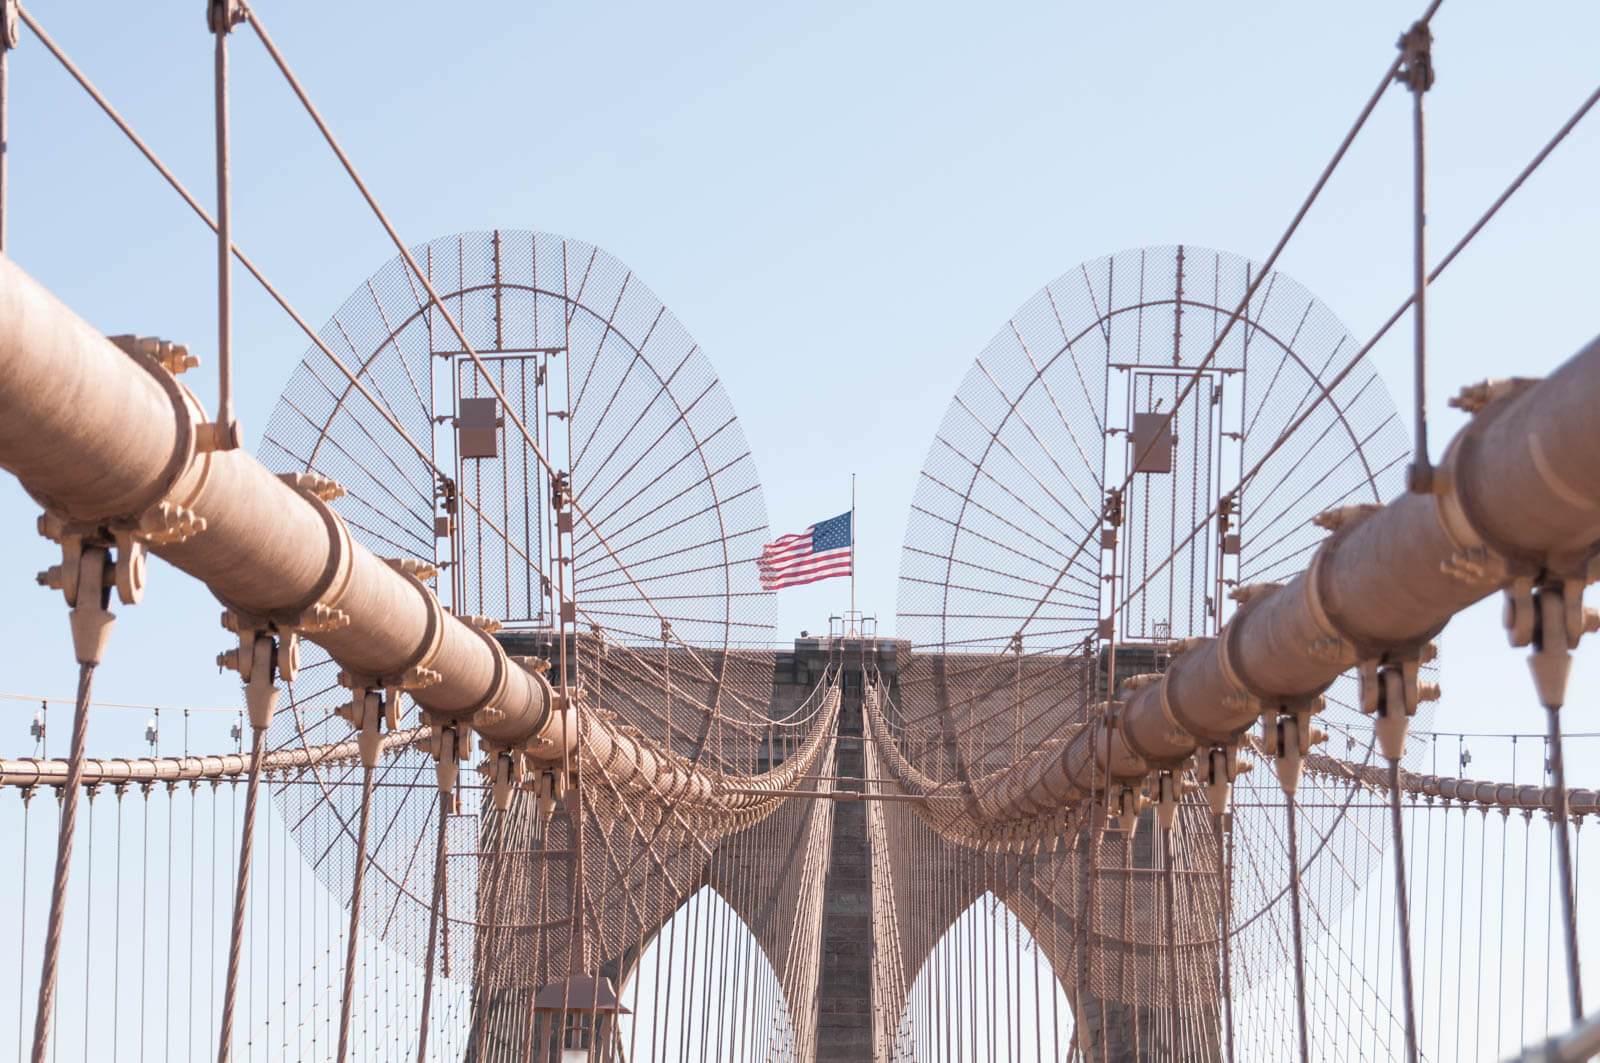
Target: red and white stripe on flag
<point>822,551</point>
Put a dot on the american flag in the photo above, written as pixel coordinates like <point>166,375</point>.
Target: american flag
<point>822,551</point>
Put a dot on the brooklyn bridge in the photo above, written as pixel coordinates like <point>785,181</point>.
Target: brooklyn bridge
<point>1154,761</point>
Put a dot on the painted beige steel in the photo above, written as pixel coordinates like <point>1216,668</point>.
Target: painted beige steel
<point>37,771</point>
<point>1501,795</point>
<point>1519,484</point>
<point>637,767</point>
<point>97,434</point>
<point>632,766</point>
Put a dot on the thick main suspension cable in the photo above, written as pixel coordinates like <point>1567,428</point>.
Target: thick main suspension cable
<point>1193,378</point>
<point>1325,392</point>
<point>486,377</point>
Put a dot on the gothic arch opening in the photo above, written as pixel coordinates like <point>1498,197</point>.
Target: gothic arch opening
<point>986,990</point>
<point>704,988</point>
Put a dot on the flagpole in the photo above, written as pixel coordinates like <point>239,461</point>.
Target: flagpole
<point>852,551</point>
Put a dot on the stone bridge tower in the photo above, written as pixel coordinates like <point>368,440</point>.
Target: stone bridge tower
<point>848,1029</point>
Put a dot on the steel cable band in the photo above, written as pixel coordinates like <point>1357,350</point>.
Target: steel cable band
<point>184,407</point>
<point>428,646</point>
<point>334,579</point>
<point>1459,515</point>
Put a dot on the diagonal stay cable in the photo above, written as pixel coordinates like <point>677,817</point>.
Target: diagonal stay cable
<point>1325,392</point>
<point>1193,379</point>
<point>427,283</point>
<point>194,204</point>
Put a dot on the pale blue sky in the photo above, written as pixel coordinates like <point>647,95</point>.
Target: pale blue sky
<point>841,202</point>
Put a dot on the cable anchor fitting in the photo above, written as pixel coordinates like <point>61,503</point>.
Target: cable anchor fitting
<point>1217,773</point>
<point>264,655</point>
<point>223,15</point>
<point>10,25</point>
<point>450,744</point>
<point>1169,792</point>
<point>87,572</point>
<point>505,769</point>
<point>1416,52</point>
<point>1548,614</point>
<point>1125,808</point>
<point>1287,736</point>
<point>1391,690</point>
<point>368,711</point>
<point>560,490</point>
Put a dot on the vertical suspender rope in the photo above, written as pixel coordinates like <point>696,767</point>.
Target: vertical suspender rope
<point>1560,822</point>
<point>747,944</point>
<point>1444,871</point>
<point>211,909</point>
<point>1170,888</point>
<point>1461,892</point>
<point>120,791</point>
<point>1522,882</point>
<point>144,915</point>
<point>221,16</point>
<point>1225,915</point>
<point>9,31</point>
<point>50,966</point>
<point>358,879</point>
<point>955,973</point>
<point>93,791</point>
<point>194,834</point>
<point>1088,829</point>
<point>1500,892</point>
<point>1402,906</point>
<point>22,932</point>
<point>719,949</point>
<point>91,626</point>
<point>991,1002</point>
<point>1299,941</point>
<point>1038,945</point>
<point>166,948</point>
<point>691,912</point>
<point>230,989</point>
<point>1549,916</point>
<point>637,966</point>
<point>433,932</point>
<point>1416,74</point>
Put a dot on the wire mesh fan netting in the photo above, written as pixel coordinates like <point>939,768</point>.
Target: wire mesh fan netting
<point>655,610</point>
<point>1059,545</point>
